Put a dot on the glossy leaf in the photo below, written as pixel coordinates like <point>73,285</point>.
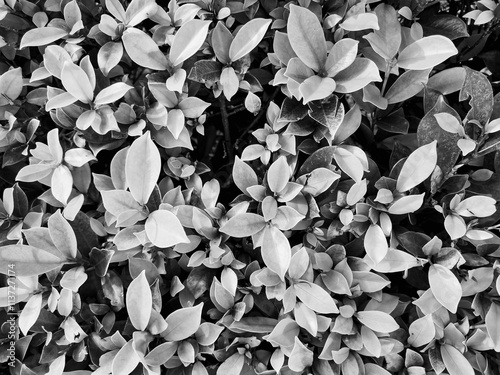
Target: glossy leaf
<point>426,53</point>
<point>306,37</point>
<point>445,287</point>
<point>417,167</point>
<point>188,40</point>
<point>164,229</point>
<point>139,301</point>
<point>143,50</point>
<point>183,323</point>
<point>315,297</point>
<point>142,168</point>
<point>247,38</point>
<point>377,321</point>
<point>28,260</point>
<point>243,225</point>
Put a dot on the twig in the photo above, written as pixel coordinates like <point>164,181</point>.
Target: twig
<point>225,123</point>
<point>257,118</point>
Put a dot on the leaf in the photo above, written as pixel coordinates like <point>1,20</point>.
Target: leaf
<point>41,36</point>
<point>62,235</point>
<point>429,131</point>
<point>328,112</point>
<point>447,25</point>
<point>143,50</point>
<point>407,85</point>
<point>417,167</point>
<point>161,353</point>
<point>232,365</point>
<point>306,37</point>
<point>139,302</point>
<point>422,331</point>
<point>28,260</point>
<point>243,225</point>
<point>445,287</point>
<point>109,56</point>
<point>359,74</point>
<point>205,71</point>
<point>139,10</point>
<point>11,85</point>
<point>396,261</point>
<point>455,362</point>
<point>300,358</point>
<point>360,21</point>
<point>183,323</point>
<point>164,229</point>
<point>349,163</point>
<point>407,204</point>
<point>426,53</point>
<point>278,175</point>
<point>292,110</point>
<point>248,37</point>
<point>76,82</point>
<point>341,56</point>
<point>315,297</point>
<point>126,360</point>
<point>478,88</point>
<point>375,243</point>
<point>30,313</point>
<point>316,88</point>
<point>387,39</point>
<point>276,251</point>
<point>142,167</point>
<point>377,321</point>
<point>112,93</point>
<point>188,40</point>
<point>492,321</point>
<point>455,226</point>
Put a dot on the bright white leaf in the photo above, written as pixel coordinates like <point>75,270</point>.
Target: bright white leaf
<point>375,243</point>
<point>41,36</point>
<point>377,321</point>
<point>360,21</point>
<point>422,331</point>
<point>139,301</point>
<point>142,168</point>
<point>30,313</point>
<point>407,204</point>
<point>164,229</point>
<point>248,37</point>
<point>396,261</point>
<point>315,297</point>
<point>76,82</point>
<point>445,287</point>
<point>183,323</point>
<point>143,50</point>
<point>61,183</point>
<point>306,37</point>
<point>359,74</point>
<point>276,251</point>
<point>455,226</point>
<point>300,358</point>
<point>188,40</point>
<point>455,362</point>
<point>112,93</point>
<point>426,53</point>
<point>417,167</point>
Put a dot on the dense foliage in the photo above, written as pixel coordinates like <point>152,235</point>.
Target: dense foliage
<point>249,187</point>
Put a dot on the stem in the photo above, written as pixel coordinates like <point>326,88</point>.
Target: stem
<point>257,118</point>
<point>387,73</point>
<point>225,123</point>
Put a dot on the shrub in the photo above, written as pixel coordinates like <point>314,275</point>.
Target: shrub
<point>240,187</point>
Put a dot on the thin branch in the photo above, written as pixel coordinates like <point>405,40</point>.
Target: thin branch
<point>256,119</point>
<point>225,123</point>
